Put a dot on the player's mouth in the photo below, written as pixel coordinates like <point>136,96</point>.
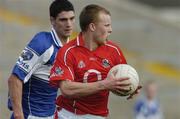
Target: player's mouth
<point>68,30</point>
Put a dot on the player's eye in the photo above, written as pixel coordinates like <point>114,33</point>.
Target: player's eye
<point>107,25</point>
<point>63,19</point>
<point>72,18</point>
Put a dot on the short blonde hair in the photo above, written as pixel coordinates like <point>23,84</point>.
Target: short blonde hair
<point>90,15</point>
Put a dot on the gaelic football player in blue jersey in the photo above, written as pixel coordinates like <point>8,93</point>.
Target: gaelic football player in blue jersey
<point>30,95</point>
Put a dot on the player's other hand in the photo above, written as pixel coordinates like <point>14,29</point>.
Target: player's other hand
<point>136,92</point>
<point>114,84</point>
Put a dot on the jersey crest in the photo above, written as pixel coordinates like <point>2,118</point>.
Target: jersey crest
<point>105,63</point>
<point>81,64</point>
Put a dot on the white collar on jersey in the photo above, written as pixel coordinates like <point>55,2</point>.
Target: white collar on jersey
<point>56,39</point>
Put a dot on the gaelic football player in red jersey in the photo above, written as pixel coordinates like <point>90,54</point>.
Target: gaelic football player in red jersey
<point>81,67</point>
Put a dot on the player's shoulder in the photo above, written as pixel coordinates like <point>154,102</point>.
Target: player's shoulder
<point>71,44</point>
<point>41,42</point>
<point>110,44</point>
<point>67,48</point>
<point>113,47</point>
<point>43,38</point>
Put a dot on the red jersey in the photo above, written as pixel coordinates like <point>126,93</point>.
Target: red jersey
<point>77,63</point>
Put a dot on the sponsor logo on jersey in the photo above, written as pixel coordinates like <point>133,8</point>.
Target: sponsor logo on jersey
<point>23,64</point>
<point>81,64</point>
<point>23,60</point>
<point>105,63</point>
<point>26,55</point>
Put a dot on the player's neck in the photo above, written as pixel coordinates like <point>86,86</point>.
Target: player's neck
<point>89,42</point>
<point>63,40</point>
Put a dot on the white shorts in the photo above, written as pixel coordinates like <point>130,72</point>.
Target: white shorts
<point>35,117</point>
<point>64,114</point>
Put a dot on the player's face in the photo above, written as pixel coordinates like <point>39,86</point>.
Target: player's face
<point>103,28</point>
<point>64,23</point>
<point>151,91</point>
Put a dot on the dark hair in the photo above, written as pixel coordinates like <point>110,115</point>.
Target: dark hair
<point>90,14</point>
<point>57,6</point>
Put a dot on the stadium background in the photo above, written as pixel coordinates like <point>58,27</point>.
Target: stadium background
<point>147,31</point>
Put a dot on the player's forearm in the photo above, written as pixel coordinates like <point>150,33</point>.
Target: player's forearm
<point>77,89</point>
<point>15,91</point>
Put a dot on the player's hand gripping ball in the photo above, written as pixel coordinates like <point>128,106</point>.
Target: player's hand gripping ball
<point>125,71</point>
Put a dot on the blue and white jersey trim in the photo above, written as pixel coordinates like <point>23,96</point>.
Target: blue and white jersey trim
<point>56,38</point>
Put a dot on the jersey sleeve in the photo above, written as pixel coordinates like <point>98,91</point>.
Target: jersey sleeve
<point>137,107</point>
<point>30,58</point>
<point>62,68</point>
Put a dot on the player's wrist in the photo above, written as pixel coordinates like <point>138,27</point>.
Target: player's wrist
<point>102,85</point>
<point>18,113</point>
<point>18,116</point>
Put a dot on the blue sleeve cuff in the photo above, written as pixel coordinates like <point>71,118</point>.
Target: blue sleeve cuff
<point>19,72</point>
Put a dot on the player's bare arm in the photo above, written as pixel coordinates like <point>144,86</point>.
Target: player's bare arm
<point>78,89</point>
<point>15,91</point>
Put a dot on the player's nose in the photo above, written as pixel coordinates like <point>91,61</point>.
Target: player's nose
<point>110,30</point>
<point>69,23</point>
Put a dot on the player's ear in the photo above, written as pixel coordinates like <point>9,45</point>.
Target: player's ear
<point>92,27</point>
<point>52,19</point>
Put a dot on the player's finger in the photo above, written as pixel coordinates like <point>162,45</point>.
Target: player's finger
<point>120,89</point>
<point>135,93</point>
<point>130,97</point>
<point>123,84</point>
<point>123,79</point>
<point>138,89</point>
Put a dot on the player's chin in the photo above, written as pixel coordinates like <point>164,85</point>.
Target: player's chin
<point>101,42</point>
<point>68,33</point>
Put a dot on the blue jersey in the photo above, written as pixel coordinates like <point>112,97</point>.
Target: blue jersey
<point>33,68</point>
<point>145,109</point>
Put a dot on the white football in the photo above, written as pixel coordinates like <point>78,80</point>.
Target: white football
<point>124,70</point>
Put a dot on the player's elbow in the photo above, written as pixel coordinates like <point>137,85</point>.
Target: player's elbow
<point>13,80</point>
<point>67,93</point>
<point>66,90</point>
<point>10,80</point>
